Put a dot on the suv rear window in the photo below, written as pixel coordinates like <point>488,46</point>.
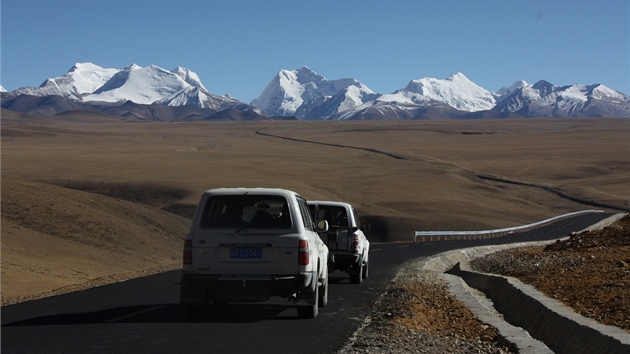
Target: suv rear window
<point>335,215</point>
<point>253,211</point>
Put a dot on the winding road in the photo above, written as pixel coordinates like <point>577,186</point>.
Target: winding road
<point>554,190</point>
<point>143,315</point>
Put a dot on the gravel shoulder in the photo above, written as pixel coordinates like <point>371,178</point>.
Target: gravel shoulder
<point>588,271</point>
<point>418,314</point>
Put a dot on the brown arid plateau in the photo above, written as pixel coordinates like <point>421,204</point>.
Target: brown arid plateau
<point>89,199</point>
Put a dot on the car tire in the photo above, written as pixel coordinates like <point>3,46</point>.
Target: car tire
<point>310,311</point>
<point>323,294</point>
<point>357,276</point>
<point>366,268</point>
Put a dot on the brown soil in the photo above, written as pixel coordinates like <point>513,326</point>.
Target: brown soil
<point>56,240</point>
<point>589,272</point>
<point>424,318</point>
<point>436,313</point>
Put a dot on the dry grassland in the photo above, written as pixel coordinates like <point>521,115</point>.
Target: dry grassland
<point>402,176</point>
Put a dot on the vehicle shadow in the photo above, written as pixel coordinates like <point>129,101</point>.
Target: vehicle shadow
<point>166,313</point>
<point>235,313</point>
<point>339,280</point>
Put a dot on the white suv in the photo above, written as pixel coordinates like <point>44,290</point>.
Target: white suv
<point>348,246</point>
<point>249,244</point>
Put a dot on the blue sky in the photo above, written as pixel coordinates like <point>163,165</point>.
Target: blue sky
<point>237,46</point>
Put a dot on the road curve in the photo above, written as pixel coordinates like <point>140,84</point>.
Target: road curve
<point>143,315</point>
<point>554,190</point>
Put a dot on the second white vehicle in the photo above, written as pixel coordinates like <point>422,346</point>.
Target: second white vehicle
<point>347,244</point>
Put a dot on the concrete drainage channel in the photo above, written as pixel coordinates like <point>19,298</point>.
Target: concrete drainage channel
<point>542,325</point>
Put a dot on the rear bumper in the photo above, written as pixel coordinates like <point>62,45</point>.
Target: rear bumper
<point>197,289</point>
<point>346,259</point>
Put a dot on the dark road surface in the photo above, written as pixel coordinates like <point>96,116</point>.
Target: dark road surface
<point>143,315</point>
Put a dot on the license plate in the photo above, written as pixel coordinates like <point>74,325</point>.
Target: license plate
<point>239,252</point>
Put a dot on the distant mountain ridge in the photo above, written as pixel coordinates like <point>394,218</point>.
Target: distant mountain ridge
<point>300,92</point>
<point>87,82</point>
<point>543,99</point>
<point>146,92</point>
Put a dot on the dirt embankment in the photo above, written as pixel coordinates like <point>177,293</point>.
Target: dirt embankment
<point>57,239</point>
<point>589,272</point>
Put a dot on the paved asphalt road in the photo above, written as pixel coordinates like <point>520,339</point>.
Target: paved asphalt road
<point>143,316</point>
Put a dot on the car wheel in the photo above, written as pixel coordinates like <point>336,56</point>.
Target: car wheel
<point>366,268</point>
<point>323,294</point>
<point>310,311</point>
<point>357,276</point>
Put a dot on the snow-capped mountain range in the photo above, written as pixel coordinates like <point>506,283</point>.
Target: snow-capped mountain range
<point>87,82</point>
<point>306,95</point>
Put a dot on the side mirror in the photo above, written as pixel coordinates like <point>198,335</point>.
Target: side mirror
<point>322,226</point>
<point>366,227</point>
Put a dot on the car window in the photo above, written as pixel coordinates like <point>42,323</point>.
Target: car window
<point>306,215</point>
<point>313,209</point>
<point>253,211</point>
<point>356,217</point>
<point>335,215</point>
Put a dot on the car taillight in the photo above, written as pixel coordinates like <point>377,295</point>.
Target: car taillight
<point>303,256</point>
<point>355,243</point>
<point>187,256</point>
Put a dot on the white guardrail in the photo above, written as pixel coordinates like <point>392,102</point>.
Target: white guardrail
<point>428,236</point>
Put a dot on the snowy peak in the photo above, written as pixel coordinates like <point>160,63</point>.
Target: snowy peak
<point>543,99</point>
<point>83,69</point>
<point>331,107</point>
<point>543,87</point>
<point>190,77</point>
<point>456,91</point>
<point>575,93</point>
<point>143,85</point>
<point>520,95</point>
<point>602,92</point>
<point>305,74</point>
<point>508,90</point>
<point>580,94</point>
<point>80,80</point>
<point>199,97</point>
<point>291,89</point>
